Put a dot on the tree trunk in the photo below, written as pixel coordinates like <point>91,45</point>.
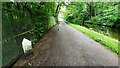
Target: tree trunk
<point>91,9</point>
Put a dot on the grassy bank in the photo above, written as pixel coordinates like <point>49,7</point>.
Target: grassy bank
<point>105,40</point>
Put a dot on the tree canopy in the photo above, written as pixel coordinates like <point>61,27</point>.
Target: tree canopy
<point>100,13</point>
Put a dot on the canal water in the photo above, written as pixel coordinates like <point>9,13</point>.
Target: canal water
<point>111,32</point>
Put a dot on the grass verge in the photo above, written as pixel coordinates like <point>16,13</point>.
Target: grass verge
<point>109,42</point>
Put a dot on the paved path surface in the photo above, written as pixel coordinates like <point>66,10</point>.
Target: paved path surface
<point>65,46</point>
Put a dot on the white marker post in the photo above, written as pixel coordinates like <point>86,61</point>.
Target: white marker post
<point>27,47</point>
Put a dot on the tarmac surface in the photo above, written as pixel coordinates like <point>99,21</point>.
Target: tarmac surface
<point>63,45</point>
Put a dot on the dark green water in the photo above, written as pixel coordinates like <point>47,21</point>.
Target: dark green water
<point>111,32</point>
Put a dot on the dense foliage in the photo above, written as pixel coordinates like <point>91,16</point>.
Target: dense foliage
<point>44,20</point>
<point>39,16</point>
<point>100,13</point>
<point>24,20</point>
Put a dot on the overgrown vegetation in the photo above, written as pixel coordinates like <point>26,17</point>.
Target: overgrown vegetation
<point>45,17</point>
<point>102,14</point>
<point>24,20</point>
<point>39,16</point>
<point>99,13</point>
<point>32,20</point>
<point>109,42</point>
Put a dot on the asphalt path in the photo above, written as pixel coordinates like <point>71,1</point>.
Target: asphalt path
<point>63,45</point>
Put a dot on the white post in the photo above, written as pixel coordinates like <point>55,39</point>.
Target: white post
<point>27,45</point>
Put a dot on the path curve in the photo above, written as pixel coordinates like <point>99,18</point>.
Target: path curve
<point>66,46</point>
